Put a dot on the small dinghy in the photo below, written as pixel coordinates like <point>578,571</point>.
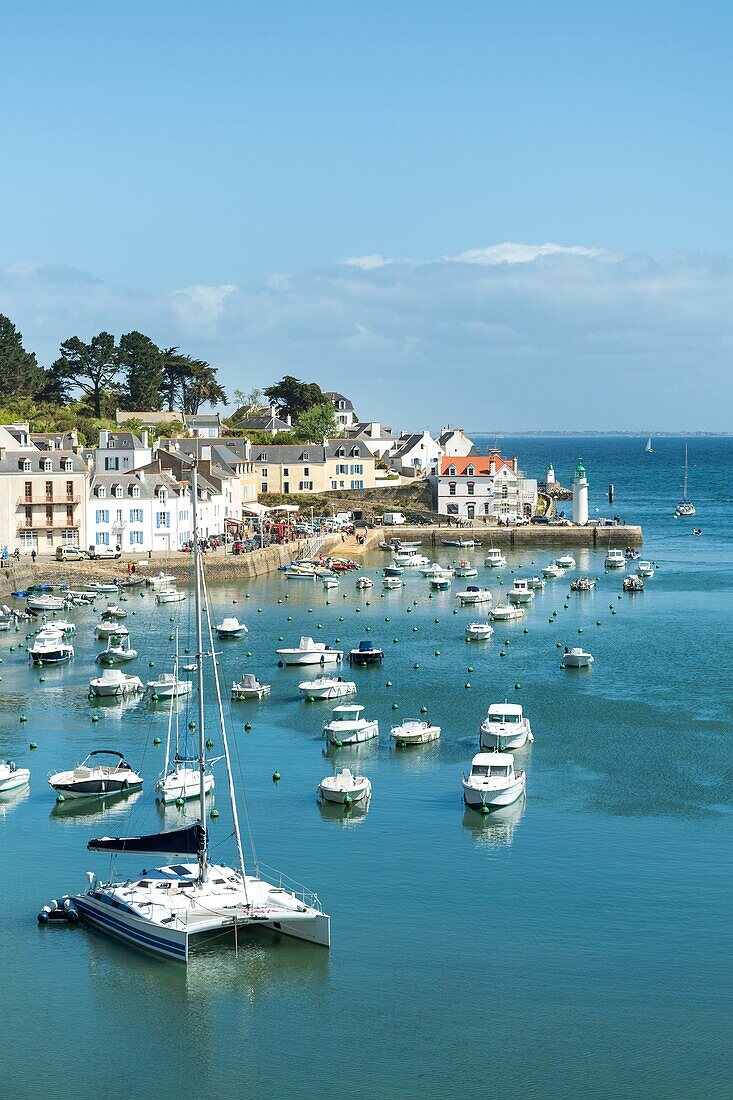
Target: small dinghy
<point>565,561</point>
<point>309,652</point>
<point>364,582</point>
<point>107,630</point>
<point>91,779</point>
<point>160,580</point>
<point>249,687</point>
<point>506,613</point>
<point>330,582</point>
<point>393,571</point>
<point>494,559</point>
<point>634,583</point>
<point>391,583</point>
<point>45,602</point>
<point>114,611</point>
<point>504,727</point>
<point>98,589</point>
<point>63,626</point>
<point>169,686</point>
<point>473,594</point>
<point>327,687</point>
<point>231,628</point>
<point>118,649</point>
<point>114,683</point>
<point>11,776</point>
<point>366,654</point>
<point>343,788</point>
<point>492,782</point>
<point>576,658</point>
<point>414,731</point>
<point>479,631</point>
<point>644,569</point>
<point>463,544</point>
<point>347,726</point>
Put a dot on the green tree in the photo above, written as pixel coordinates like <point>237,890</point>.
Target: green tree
<point>290,395</point>
<point>248,404</point>
<point>189,383</point>
<point>316,423</point>
<point>142,362</point>
<point>20,373</point>
<point>92,368</point>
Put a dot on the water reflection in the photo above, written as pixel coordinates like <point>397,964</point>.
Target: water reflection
<point>10,799</point>
<point>94,809</point>
<point>362,750</point>
<point>415,758</point>
<point>495,829</point>
<point>345,816</point>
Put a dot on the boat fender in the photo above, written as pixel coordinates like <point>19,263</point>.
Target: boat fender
<point>72,913</point>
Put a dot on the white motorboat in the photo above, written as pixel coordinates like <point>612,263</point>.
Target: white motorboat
<point>409,558</point>
<point>160,580</point>
<point>552,571</point>
<point>11,776</point>
<point>366,653</point>
<point>330,582</point>
<point>576,658</point>
<point>504,727</point>
<point>249,687</point>
<point>615,559</point>
<point>479,631</point>
<point>182,782</point>
<point>565,561</point>
<point>169,595</point>
<point>644,569</point>
<point>492,781</point>
<point>461,543</point>
<point>63,626</point>
<point>433,569</point>
<point>343,788</point>
<point>465,569</point>
<point>231,628</point>
<point>440,583</point>
<point>364,582</point>
<point>537,584</point>
<point>169,686</point>
<point>473,595</point>
<point>506,613</point>
<point>114,611</point>
<point>114,683</point>
<point>163,909</point>
<point>521,593</point>
<point>45,602</point>
<point>685,506</point>
<point>327,687</point>
<point>347,726</point>
<point>309,652</point>
<point>391,582</point>
<point>415,731</point>
<point>393,571</point>
<point>633,583</point>
<point>494,558</point>
<point>582,584</point>
<point>91,779</point>
<point>107,630</point>
<point>50,648</point>
<point>100,589</point>
<point>118,649</point>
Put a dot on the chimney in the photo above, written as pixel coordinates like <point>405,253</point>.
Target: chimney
<point>144,436</point>
<point>289,420</point>
<point>103,437</point>
<point>141,475</point>
<point>272,411</point>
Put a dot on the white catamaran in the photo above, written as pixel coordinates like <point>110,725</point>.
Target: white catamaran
<point>685,506</point>
<point>161,910</point>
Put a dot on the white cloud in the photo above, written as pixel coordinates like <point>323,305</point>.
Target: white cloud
<point>535,336</point>
<point>366,263</point>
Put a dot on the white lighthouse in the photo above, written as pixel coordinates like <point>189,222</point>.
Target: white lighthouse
<point>580,496</point>
<point>550,476</point>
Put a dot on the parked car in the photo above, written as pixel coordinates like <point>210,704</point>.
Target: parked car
<point>70,553</point>
<point>105,552</point>
<point>540,519</point>
<point>418,519</point>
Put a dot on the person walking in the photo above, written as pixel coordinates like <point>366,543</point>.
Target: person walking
<point>33,556</point>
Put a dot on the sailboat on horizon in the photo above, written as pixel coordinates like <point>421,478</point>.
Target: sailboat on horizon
<point>685,506</point>
<point>649,449</point>
<point>161,910</point>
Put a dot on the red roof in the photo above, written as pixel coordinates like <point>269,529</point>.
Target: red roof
<point>483,465</point>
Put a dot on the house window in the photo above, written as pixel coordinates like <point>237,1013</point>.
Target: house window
<point>49,517</point>
<point>286,486</point>
<point>470,488</point>
<point>136,538</point>
<point>136,515</point>
<point>340,452</point>
<point>118,491</point>
<point>26,466</point>
<point>28,517</point>
<point>49,490</point>
<point>355,452</point>
<point>68,466</point>
<point>357,468</point>
<point>451,488</point>
<point>470,471</point>
<point>263,487</point>
<point>47,466</point>
<point>286,471</point>
<point>334,484</point>
<point>452,510</point>
<point>305,456</point>
<point>102,538</point>
<point>487,508</point>
<point>162,519</point>
<point>118,516</point>
<point>69,513</point>
<point>504,492</point>
<point>69,535</point>
<point>451,471</point>
<point>102,515</point>
<point>69,490</point>
<point>101,492</point>
<point>342,468</point>
<point>306,470</point>
<point>29,490</point>
<point>27,540</point>
<point>357,484</point>
<point>111,463</point>
<point>305,485</point>
<point>49,538</point>
<point>263,471</point>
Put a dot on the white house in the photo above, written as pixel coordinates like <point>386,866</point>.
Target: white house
<point>416,455</point>
<point>454,443</point>
<point>147,509</point>
<point>202,425</point>
<point>380,440</point>
<point>121,452</point>
<point>342,407</point>
<point>483,487</point>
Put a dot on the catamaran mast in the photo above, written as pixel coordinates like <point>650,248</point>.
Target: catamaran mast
<point>200,674</point>
<point>684,480</point>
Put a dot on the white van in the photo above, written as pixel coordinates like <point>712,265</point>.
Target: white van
<point>393,519</point>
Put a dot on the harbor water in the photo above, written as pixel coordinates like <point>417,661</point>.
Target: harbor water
<point>579,941</point>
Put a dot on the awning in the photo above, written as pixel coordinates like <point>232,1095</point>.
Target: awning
<point>286,508</point>
<point>252,508</point>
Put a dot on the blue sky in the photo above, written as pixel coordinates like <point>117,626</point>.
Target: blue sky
<point>203,172</point>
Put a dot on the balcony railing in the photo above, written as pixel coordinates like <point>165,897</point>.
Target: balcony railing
<point>38,499</point>
<point>56,525</point>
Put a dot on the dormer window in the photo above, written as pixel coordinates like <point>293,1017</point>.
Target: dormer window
<point>451,471</point>
<point>47,466</point>
<point>470,471</point>
<point>118,491</point>
<point>263,456</point>
<point>68,465</point>
<point>26,465</point>
<point>340,452</point>
<point>136,491</point>
<point>355,452</point>
<point>101,491</point>
<point>306,456</point>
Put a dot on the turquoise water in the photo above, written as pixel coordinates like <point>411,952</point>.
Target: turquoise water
<point>579,941</point>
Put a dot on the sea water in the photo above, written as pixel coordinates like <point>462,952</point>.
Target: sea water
<point>576,943</point>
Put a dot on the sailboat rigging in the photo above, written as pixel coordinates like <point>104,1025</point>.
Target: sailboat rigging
<point>161,910</point>
<point>649,449</point>
<point>685,506</point>
<point>180,779</point>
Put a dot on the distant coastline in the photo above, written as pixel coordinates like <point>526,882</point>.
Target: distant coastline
<point>641,434</point>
